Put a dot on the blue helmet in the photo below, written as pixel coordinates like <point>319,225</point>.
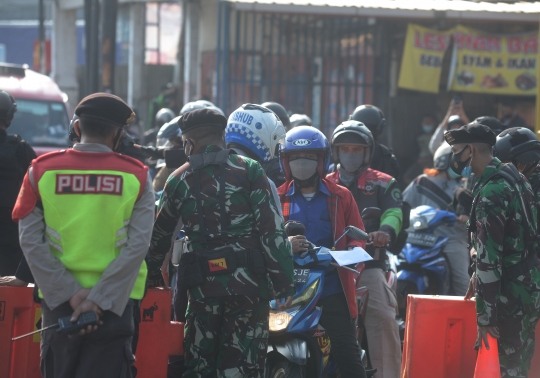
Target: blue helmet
<point>305,139</point>
<point>256,128</point>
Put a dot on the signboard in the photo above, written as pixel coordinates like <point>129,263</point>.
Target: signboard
<point>494,64</point>
<point>481,63</point>
<point>422,58</point>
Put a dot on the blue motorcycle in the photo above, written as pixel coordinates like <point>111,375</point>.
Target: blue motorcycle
<point>423,267</point>
<point>298,346</point>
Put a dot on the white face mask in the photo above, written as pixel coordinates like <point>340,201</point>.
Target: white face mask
<point>302,168</point>
<point>351,162</point>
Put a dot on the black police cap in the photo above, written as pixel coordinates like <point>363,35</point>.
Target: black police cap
<point>471,133</point>
<point>107,108</point>
<point>201,117</point>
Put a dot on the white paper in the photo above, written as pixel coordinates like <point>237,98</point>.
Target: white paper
<point>353,256</point>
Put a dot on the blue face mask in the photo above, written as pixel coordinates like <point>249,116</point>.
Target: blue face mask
<point>467,172</point>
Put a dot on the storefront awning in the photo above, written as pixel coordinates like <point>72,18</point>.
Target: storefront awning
<point>417,9</point>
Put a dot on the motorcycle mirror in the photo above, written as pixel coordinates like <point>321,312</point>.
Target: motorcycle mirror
<point>371,213</point>
<point>356,233</point>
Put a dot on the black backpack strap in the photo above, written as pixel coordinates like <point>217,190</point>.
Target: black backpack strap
<point>198,162</point>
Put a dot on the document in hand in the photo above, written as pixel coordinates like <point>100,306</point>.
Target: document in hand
<point>353,256</point>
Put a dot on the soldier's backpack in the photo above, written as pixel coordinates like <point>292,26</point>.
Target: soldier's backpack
<point>510,173</point>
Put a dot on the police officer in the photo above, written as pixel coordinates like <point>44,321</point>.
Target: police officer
<point>237,241</point>
<point>503,225</point>
<point>353,148</point>
<point>383,159</point>
<point>15,157</point>
<point>84,223</point>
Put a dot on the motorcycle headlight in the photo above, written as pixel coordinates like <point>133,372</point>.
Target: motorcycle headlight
<point>279,320</point>
<point>307,294</point>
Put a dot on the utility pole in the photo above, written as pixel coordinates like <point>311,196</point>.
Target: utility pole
<point>91,17</point>
<point>42,67</point>
<point>108,44</point>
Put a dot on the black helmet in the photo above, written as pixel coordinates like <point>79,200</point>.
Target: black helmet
<point>372,117</point>
<point>280,112</point>
<point>493,123</point>
<point>353,132</point>
<point>73,137</point>
<point>517,145</point>
<point>8,106</point>
<point>300,120</point>
<point>163,116</point>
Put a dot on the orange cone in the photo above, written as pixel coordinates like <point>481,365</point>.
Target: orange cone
<point>487,362</point>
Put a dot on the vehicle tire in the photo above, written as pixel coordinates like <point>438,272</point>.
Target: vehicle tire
<point>286,369</point>
<point>404,289</point>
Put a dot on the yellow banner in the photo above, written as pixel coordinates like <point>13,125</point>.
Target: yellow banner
<point>494,64</point>
<point>422,58</point>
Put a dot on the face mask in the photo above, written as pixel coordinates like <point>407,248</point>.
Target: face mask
<point>453,175</point>
<point>462,168</point>
<point>427,128</point>
<point>303,169</point>
<point>351,162</point>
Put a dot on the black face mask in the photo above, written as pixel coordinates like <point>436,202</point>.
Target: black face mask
<point>456,164</point>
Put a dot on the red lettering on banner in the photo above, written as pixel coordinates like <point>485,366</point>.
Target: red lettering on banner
<point>477,42</point>
<point>431,41</point>
<point>527,45</point>
<point>89,184</point>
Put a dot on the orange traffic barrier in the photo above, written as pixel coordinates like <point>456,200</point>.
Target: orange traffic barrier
<point>18,315</point>
<point>487,362</point>
<point>159,338</point>
<point>440,334</point>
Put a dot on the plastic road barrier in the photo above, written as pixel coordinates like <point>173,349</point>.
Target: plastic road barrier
<point>159,338</point>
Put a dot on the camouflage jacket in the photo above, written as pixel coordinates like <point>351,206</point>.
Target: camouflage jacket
<point>254,223</point>
<point>499,239</point>
<point>534,179</point>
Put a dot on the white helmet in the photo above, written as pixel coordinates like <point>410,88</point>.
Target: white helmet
<point>256,128</point>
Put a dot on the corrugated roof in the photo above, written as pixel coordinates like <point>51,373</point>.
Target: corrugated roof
<point>455,9</point>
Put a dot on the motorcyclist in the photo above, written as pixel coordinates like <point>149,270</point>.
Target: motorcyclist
<point>325,209</point>
<point>199,104</point>
<point>519,146</point>
<point>436,188</point>
<point>383,159</point>
<point>353,148</point>
<point>300,120</point>
<point>254,131</point>
<point>15,157</point>
<point>162,117</point>
<point>170,132</point>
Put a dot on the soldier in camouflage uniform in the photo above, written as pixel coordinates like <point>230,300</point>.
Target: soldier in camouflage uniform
<point>503,226</point>
<point>521,147</point>
<point>226,327</point>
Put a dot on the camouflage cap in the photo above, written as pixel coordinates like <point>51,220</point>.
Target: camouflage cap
<point>471,133</point>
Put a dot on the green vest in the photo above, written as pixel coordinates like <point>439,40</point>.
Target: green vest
<point>87,214</point>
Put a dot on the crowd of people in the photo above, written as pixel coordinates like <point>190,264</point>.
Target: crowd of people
<point>84,225</point>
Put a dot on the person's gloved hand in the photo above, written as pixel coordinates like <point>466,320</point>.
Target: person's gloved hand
<point>153,152</point>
